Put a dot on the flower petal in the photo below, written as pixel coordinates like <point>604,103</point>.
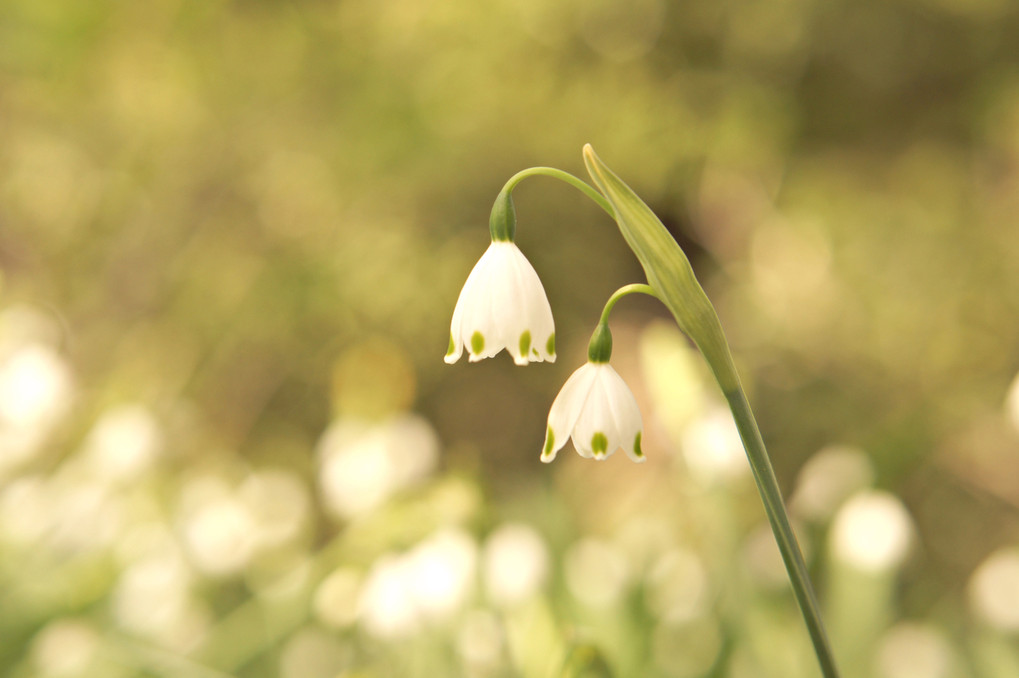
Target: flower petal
<point>456,343</point>
<point>508,304</point>
<point>609,419</point>
<point>595,432</point>
<point>534,313</point>
<point>465,305</point>
<point>625,413</point>
<point>566,409</point>
<point>480,318</point>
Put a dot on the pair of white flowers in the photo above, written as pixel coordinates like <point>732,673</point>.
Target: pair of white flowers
<point>503,306</point>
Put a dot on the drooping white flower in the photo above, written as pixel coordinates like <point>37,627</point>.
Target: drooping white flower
<point>502,305</point>
<point>597,409</point>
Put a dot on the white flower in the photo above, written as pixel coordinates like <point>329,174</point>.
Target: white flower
<point>596,408</point>
<point>502,305</point>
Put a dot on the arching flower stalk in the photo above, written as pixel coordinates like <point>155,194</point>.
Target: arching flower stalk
<point>503,305</point>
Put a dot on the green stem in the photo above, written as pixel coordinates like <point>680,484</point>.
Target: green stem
<point>767,484</point>
<point>671,276</point>
<point>599,350</point>
<point>580,184</point>
<point>635,288</point>
<point>774,507</point>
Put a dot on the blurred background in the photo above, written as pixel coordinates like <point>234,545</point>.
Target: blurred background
<point>231,238</point>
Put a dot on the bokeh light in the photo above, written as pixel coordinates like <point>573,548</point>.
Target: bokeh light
<point>994,590</point>
<point>872,532</point>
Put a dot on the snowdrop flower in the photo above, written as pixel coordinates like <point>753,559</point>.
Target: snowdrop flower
<point>596,408</point>
<point>502,305</point>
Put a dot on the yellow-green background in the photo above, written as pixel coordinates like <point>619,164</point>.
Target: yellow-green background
<point>250,220</point>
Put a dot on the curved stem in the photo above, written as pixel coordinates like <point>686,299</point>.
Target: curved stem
<point>599,350</point>
<point>562,176</point>
<point>635,288</point>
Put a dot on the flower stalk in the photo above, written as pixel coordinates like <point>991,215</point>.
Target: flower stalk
<point>502,223</point>
<point>672,280</point>
<point>635,288</point>
<point>503,306</point>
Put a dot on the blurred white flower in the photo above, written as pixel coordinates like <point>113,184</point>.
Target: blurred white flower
<point>673,374</point>
<point>65,647</point>
<point>151,596</point>
<point>362,465</point>
<point>502,306</point>
<point>429,582</point>
<point>35,385</point>
<point>35,392</point>
<point>829,478</point>
<point>386,607</point>
<point>442,571</point>
<point>994,590</point>
<point>218,529</point>
<point>515,563</point>
<point>598,411</point>
<point>909,650</point>
<point>279,504</point>
<point>872,532</point>
<point>712,448</point>
<point>124,443</point>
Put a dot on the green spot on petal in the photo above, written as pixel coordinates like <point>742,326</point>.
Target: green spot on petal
<point>477,343</point>
<point>525,343</point>
<point>550,344</point>
<point>452,346</point>
<point>549,441</point>
<point>636,446</point>
<point>599,443</point>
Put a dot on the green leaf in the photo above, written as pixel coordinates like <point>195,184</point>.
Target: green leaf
<point>667,269</point>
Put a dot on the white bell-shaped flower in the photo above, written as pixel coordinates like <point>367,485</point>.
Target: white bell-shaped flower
<point>597,409</point>
<point>502,305</point>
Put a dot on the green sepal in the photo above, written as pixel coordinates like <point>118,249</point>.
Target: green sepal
<point>502,224</point>
<point>600,348</point>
